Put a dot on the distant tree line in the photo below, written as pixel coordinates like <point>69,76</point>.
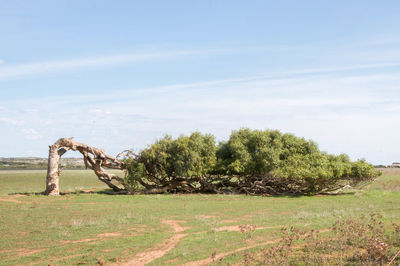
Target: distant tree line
<point>21,165</point>
<point>37,163</point>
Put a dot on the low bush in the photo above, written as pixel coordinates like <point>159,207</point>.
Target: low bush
<point>251,161</point>
<point>172,165</point>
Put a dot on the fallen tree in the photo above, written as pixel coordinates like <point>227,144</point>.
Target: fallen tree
<point>262,162</point>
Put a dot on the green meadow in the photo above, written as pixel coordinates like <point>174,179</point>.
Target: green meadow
<point>86,225</point>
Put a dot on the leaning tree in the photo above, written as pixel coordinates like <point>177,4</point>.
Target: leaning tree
<point>94,159</point>
<point>251,161</point>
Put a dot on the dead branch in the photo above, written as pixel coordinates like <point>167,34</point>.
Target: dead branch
<point>94,159</point>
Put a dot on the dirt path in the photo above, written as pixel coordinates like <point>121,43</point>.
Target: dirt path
<point>238,228</point>
<point>163,248</point>
<point>23,251</point>
<point>224,254</point>
<point>12,199</point>
<point>99,237</point>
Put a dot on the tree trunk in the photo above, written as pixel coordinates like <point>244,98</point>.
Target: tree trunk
<point>53,172</point>
<point>94,159</point>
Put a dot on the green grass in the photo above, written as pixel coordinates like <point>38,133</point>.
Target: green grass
<point>37,229</point>
<point>34,181</point>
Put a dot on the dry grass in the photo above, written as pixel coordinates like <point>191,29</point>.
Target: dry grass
<point>362,241</point>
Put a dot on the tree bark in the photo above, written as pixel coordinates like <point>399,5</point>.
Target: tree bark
<point>53,172</point>
<point>94,158</point>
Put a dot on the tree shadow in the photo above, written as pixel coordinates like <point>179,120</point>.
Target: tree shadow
<point>26,193</point>
<point>75,192</point>
<point>111,192</point>
<point>89,191</point>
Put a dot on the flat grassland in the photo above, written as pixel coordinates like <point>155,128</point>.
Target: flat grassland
<point>88,226</point>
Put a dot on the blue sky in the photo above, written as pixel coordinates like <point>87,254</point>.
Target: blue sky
<point>120,74</point>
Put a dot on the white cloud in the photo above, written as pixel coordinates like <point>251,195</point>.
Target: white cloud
<point>29,69</point>
<point>31,110</point>
<point>1,61</point>
<point>279,77</point>
<point>100,111</point>
<point>341,112</point>
<point>341,68</point>
<point>11,121</point>
<point>31,134</point>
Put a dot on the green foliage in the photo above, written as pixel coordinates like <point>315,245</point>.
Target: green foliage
<point>172,161</point>
<point>257,152</point>
<point>134,172</point>
<point>251,161</point>
<point>184,157</point>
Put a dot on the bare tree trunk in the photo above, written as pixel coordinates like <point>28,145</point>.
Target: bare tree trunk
<point>53,172</point>
<point>94,159</point>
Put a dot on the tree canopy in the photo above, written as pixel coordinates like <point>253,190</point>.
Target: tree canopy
<point>250,161</point>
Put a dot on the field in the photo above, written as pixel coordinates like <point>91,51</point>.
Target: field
<point>88,226</point>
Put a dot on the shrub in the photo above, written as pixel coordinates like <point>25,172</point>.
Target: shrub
<point>271,162</point>
<point>174,164</point>
<point>251,161</point>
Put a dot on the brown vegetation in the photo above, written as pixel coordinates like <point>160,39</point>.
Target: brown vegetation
<point>364,241</point>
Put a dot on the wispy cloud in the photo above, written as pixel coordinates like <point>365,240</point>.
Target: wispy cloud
<point>31,134</point>
<point>11,121</point>
<point>342,68</point>
<point>275,79</point>
<point>341,111</point>
<point>38,68</point>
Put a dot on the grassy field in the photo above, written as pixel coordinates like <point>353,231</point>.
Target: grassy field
<point>87,226</point>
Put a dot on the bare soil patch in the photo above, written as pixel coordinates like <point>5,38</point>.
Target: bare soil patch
<point>78,241</point>
<point>205,216</point>
<point>12,200</point>
<point>112,234</point>
<point>175,224</point>
<point>19,195</point>
<point>66,257</point>
<point>228,221</point>
<point>242,218</point>
<point>27,251</point>
<point>238,228</point>
<point>224,254</point>
<point>101,237</point>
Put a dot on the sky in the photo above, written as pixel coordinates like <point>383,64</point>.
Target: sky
<point>120,74</point>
